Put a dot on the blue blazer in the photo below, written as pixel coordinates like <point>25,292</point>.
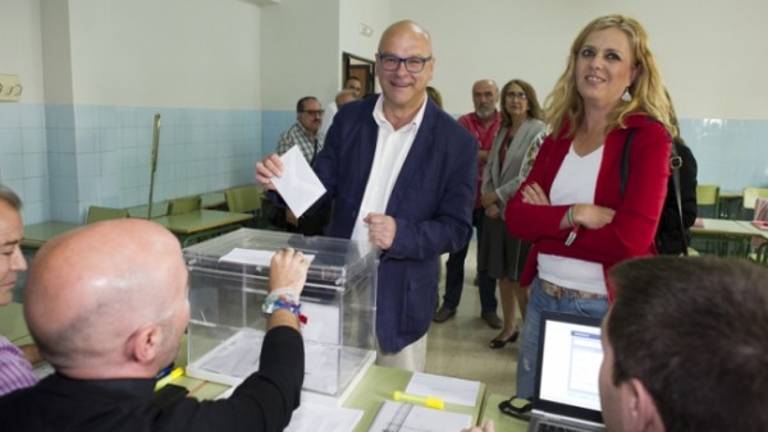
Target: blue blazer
<point>431,202</point>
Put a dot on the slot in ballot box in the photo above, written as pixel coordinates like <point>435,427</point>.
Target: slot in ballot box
<point>227,326</point>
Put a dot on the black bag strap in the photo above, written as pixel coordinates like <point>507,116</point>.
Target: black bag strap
<point>675,162</point>
<point>625,160</point>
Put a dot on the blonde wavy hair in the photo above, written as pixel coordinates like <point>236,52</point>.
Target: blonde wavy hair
<point>647,90</point>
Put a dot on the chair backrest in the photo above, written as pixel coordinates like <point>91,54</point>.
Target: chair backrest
<point>751,194</point>
<point>707,194</point>
<point>158,209</point>
<point>184,205</point>
<point>96,214</point>
<point>708,200</point>
<point>243,199</point>
<point>761,210</point>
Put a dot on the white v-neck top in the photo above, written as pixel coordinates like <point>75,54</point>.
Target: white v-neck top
<point>574,183</point>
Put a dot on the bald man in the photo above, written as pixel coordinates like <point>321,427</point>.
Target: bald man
<point>483,123</point>
<point>107,306</point>
<point>345,96</point>
<point>401,175</point>
<point>353,87</point>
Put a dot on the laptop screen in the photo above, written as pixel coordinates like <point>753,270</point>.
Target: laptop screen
<point>570,355</point>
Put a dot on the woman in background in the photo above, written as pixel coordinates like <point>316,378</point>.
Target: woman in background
<point>572,206</point>
<point>435,95</point>
<point>509,161</point>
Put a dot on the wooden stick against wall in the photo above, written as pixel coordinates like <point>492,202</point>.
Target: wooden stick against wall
<point>153,162</point>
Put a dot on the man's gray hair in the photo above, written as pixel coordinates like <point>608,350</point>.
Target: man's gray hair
<point>7,195</point>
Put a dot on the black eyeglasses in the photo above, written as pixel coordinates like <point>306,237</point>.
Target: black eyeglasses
<point>391,63</point>
<point>314,112</point>
<point>517,95</point>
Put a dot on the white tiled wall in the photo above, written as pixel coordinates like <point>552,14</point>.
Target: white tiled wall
<point>62,159</point>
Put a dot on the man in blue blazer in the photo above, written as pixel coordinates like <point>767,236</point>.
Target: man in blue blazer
<point>401,174</point>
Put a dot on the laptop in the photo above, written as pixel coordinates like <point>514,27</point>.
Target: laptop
<point>566,396</point>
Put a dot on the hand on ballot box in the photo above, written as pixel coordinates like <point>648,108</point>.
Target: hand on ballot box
<point>288,271</point>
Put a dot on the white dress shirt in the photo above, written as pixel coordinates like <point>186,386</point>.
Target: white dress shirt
<point>392,147</point>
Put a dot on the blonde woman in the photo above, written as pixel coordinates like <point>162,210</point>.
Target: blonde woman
<point>581,218</point>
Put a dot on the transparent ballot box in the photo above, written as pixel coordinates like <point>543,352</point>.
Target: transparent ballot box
<point>228,285</point>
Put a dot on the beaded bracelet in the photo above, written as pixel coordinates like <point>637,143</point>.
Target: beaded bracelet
<point>283,298</point>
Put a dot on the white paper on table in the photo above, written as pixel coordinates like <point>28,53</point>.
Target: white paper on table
<point>406,417</point>
<point>253,257</point>
<point>451,390</point>
<point>299,185</point>
<point>312,417</point>
<point>238,357</point>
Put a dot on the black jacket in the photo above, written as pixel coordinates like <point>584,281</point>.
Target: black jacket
<point>263,402</point>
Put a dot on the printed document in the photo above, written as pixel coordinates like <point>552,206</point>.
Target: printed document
<point>405,417</point>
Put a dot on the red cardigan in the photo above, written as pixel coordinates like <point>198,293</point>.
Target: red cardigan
<point>632,231</point>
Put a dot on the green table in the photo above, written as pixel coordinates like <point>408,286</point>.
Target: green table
<point>379,383</point>
<point>201,223</point>
<point>756,232</point>
<point>36,235</point>
<point>375,387</point>
<point>503,422</point>
<point>736,232</point>
<point>725,228</point>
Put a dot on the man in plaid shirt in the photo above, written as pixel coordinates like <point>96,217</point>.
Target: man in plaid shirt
<point>304,133</point>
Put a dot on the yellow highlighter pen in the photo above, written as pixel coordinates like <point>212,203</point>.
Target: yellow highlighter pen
<point>428,401</point>
<point>177,372</point>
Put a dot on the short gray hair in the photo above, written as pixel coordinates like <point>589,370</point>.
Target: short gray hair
<point>7,195</point>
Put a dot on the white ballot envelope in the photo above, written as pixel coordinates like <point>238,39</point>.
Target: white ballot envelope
<point>299,185</point>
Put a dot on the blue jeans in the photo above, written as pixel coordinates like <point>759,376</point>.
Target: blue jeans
<point>454,275</point>
<point>538,302</point>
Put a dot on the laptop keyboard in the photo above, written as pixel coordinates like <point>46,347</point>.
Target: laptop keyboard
<point>546,427</point>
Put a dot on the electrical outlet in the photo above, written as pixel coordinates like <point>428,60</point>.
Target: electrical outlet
<point>10,88</point>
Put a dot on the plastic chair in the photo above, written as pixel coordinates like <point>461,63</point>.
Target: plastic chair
<point>184,205</point>
<point>708,206</point>
<point>708,200</point>
<point>158,209</point>
<point>749,198</point>
<point>244,199</point>
<point>96,214</point>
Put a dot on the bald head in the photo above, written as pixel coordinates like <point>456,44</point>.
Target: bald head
<point>404,67</point>
<point>95,293</point>
<point>345,96</point>
<point>406,27</point>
